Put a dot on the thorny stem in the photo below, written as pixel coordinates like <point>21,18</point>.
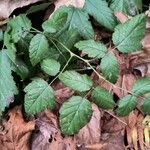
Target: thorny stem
<point>87,62</point>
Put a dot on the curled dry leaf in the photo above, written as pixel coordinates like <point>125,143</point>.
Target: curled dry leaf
<point>91,133</point>
<point>17,132</point>
<point>47,135</point>
<point>75,3</point>
<point>8,6</point>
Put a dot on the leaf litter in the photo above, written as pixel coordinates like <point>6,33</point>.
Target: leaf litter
<point>103,131</point>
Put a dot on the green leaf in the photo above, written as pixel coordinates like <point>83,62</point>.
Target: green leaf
<point>92,48</point>
<point>141,86</point>
<point>50,66</point>
<point>119,6</point>
<point>20,27</point>
<point>126,105</point>
<point>145,107</point>
<point>79,19</point>
<point>7,85</point>
<point>74,114</point>
<point>55,22</point>
<point>17,65</point>
<point>129,7</point>
<point>39,96</point>
<point>1,35</point>
<point>103,98</point>
<point>38,48</point>
<point>76,81</point>
<point>101,12</point>
<point>21,69</point>
<point>109,67</point>
<point>7,39</point>
<point>127,37</point>
<point>38,7</point>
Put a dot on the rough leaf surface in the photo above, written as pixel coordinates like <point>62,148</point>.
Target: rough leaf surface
<point>92,48</point>
<point>127,36</point>
<point>7,85</point>
<point>76,81</point>
<point>39,96</point>
<point>74,114</point>
<point>126,105</point>
<point>38,48</point>
<point>103,98</point>
<point>109,67</point>
<point>101,12</point>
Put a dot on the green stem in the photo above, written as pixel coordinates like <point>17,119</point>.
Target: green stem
<point>62,70</point>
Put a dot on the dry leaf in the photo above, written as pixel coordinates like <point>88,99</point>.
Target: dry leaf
<point>121,17</point>
<point>75,3</point>
<point>91,133</point>
<point>62,93</point>
<point>48,136</point>
<point>17,132</point>
<point>8,6</point>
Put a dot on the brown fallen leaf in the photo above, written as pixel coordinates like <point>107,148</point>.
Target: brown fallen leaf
<point>91,133</point>
<point>17,132</point>
<point>62,93</point>
<point>121,17</point>
<point>75,3</point>
<point>8,6</point>
<point>47,135</point>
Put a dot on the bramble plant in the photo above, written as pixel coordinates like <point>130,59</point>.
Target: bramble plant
<point>29,53</point>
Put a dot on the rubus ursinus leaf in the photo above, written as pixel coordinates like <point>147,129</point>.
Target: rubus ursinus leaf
<point>38,48</point>
<point>129,7</point>
<point>20,27</point>
<point>7,85</point>
<point>76,81</point>
<point>50,66</point>
<point>145,107</point>
<point>39,96</point>
<point>127,36</point>
<point>103,98</point>
<point>126,105</point>
<point>101,12</point>
<point>78,19</point>
<point>38,7</point>
<point>55,22</point>
<point>92,48</point>
<point>141,86</point>
<point>17,65</point>
<point>119,6</point>
<point>109,67</point>
<point>74,114</point>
